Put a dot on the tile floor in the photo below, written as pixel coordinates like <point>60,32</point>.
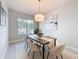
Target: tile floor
<point>17,51</point>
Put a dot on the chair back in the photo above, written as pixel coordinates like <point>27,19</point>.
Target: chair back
<point>51,44</point>
<point>31,45</point>
<point>59,50</point>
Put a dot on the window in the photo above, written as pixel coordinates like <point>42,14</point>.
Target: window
<point>25,26</point>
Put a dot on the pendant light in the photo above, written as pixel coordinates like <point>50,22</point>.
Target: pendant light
<point>39,17</point>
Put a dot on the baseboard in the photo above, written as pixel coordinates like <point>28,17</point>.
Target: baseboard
<point>75,50</point>
<point>3,54</point>
<point>15,41</point>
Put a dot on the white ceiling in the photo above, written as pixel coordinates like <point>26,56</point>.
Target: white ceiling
<point>31,6</point>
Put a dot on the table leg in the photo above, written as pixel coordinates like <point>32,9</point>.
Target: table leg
<point>55,42</point>
<point>43,51</point>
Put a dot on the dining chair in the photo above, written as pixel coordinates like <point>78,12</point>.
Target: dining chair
<point>26,44</point>
<point>51,44</point>
<point>56,51</point>
<point>33,48</point>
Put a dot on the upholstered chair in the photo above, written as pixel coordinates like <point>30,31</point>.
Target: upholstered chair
<point>56,51</point>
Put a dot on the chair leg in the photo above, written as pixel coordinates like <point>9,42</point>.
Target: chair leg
<point>61,56</point>
<point>26,47</point>
<point>33,54</point>
<point>56,57</point>
<point>29,52</point>
<point>47,55</point>
<point>40,52</point>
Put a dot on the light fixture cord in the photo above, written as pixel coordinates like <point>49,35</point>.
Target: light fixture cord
<point>39,5</point>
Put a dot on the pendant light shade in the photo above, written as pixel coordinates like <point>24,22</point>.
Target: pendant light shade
<point>39,17</point>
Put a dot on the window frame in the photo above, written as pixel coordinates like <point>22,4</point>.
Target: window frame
<point>26,27</point>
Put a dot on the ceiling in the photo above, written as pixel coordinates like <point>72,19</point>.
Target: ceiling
<point>31,7</point>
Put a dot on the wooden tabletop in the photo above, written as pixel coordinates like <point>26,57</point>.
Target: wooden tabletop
<point>39,40</point>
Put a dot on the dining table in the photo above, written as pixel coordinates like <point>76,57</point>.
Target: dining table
<point>41,40</point>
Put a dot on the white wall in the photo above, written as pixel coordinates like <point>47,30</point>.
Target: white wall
<point>67,25</point>
<point>13,17</point>
<point>4,33</point>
